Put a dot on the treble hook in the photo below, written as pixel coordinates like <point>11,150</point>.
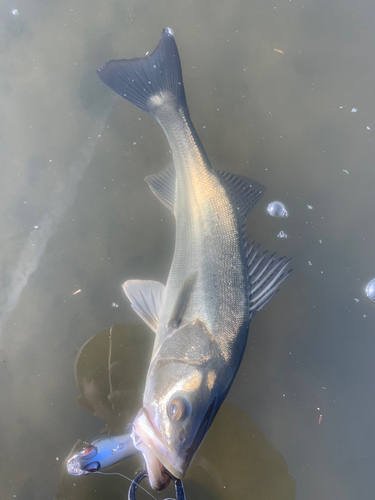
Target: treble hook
<point>180,494</point>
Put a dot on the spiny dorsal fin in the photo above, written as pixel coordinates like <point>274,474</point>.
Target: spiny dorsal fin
<point>265,275</point>
<point>146,298</point>
<point>182,301</point>
<point>163,185</point>
<point>244,192</point>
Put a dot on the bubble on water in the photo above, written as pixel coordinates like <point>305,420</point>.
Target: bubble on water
<point>282,235</point>
<point>277,209</point>
<point>370,290</point>
<point>115,305</point>
<point>354,110</point>
<point>15,12</point>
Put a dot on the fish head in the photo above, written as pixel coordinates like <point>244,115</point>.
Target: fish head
<point>181,399</point>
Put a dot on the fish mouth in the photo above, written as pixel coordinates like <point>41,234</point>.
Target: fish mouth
<point>158,458</point>
<point>161,463</point>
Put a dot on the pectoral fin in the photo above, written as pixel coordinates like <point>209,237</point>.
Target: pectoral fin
<point>182,301</point>
<point>146,298</point>
<point>163,185</point>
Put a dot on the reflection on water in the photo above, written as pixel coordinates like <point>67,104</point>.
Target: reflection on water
<point>110,372</point>
<point>370,290</point>
<point>34,245</point>
<point>277,209</point>
<point>234,460</point>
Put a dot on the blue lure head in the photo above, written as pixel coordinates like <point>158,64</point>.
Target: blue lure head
<point>100,454</point>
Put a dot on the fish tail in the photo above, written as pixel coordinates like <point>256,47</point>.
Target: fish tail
<point>150,81</point>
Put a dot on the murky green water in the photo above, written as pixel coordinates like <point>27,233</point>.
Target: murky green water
<point>271,88</point>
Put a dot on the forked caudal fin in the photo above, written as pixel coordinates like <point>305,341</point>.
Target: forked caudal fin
<point>149,81</point>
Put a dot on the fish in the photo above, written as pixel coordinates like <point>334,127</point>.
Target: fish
<point>217,281</point>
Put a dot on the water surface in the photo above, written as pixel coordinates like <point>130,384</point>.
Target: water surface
<point>282,92</point>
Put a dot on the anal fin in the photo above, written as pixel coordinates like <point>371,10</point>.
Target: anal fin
<point>146,298</point>
<point>163,185</point>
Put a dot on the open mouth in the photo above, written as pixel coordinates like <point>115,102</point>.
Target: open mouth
<point>147,439</point>
<point>160,461</point>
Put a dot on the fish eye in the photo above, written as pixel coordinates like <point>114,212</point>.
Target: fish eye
<point>87,450</point>
<point>177,409</point>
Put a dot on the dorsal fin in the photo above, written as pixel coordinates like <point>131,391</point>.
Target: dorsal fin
<point>163,185</point>
<point>182,301</point>
<point>146,298</point>
<point>265,274</point>
<point>243,192</point>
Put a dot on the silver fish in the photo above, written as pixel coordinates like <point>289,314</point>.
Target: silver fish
<point>216,283</point>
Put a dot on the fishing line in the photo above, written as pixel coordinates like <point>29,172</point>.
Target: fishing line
<point>126,477</point>
<point>109,365</point>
